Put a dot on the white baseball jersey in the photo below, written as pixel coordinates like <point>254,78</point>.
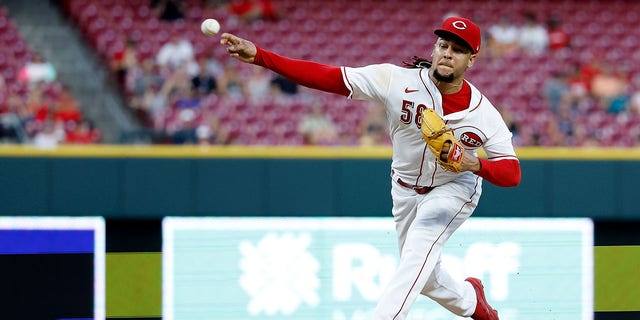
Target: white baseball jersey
<point>406,93</point>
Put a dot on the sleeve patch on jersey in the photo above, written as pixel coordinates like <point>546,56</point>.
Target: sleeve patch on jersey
<point>471,139</point>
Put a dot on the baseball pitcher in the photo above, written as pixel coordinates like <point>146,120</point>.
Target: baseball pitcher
<point>437,121</point>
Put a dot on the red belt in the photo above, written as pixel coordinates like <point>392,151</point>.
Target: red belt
<point>417,189</point>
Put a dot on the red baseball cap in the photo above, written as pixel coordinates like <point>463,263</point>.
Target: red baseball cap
<point>463,29</point>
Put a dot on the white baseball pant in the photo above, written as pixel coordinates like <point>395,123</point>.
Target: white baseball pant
<point>423,224</point>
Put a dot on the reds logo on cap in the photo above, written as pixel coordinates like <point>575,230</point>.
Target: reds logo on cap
<point>460,25</point>
<point>463,29</point>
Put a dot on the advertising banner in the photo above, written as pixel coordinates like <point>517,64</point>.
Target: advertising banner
<point>336,268</point>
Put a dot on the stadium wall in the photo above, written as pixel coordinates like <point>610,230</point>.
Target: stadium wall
<point>133,187</point>
<point>153,182</point>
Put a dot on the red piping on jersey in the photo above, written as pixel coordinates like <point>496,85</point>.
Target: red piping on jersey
<point>424,151</point>
<point>475,189</point>
<point>433,102</point>
<point>502,157</point>
<point>344,72</point>
<point>479,102</point>
<point>473,127</point>
<point>437,167</point>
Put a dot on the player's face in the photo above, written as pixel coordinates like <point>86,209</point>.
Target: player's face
<point>451,60</point>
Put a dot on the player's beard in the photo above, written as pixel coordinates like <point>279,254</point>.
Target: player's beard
<point>448,78</point>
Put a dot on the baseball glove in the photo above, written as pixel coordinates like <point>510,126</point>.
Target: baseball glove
<point>441,141</point>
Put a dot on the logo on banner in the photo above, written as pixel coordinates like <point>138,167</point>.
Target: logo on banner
<point>279,274</point>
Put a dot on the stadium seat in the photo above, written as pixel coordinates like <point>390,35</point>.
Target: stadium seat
<point>378,31</point>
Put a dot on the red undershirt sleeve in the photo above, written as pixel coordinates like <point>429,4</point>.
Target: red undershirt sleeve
<point>306,73</point>
<point>502,173</point>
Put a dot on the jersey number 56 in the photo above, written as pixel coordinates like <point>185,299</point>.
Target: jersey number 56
<point>407,115</point>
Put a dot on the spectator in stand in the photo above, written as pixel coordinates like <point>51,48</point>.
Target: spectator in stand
<point>212,64</point>
<point>284,85</point>
<point>503,37</point>
<point>582,137</point>
<point>512,124</point>
<point>558,38</point>
<point>204,82</point>
<point>279,95</point>
<point>123,61</point>
<point>187,98</point>
<point>39,108</point>
<point>16,105</point>
<point>140,78</point>
<point>178,90</point>
<point>146,98</point>
<point>3,92</point>
<point>10,104</point>
<point>317,128</point>
<point>610,89</point>
<point>231,83</point>
<point>66,107</point>
<point>177,85</point>
<point>253,10</point>
<point>51,134</point>
<point>204,79</point>
<point>553,136</point>
<point>533,36</point>
<point>373,128</point>
<point>37,70</point>
<point>634,103</point>
<point>83,133</point>
<point>9,128</point>
<point>168,10</point>
<point>554,89</point>
<point>214,4</point>
<point>11,110</point>
<point>186,130</point>
<point>565,125</point>
<point>209,132</point>
<point>153,106</point>
<point>258,84</point>
<point>176,53</point>
<point>590,70</point>
<point>577,97</point>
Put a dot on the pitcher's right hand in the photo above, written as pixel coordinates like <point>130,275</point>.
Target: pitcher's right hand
<point>241,49</point>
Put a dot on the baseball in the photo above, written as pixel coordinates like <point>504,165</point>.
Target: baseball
<point>210,27</point>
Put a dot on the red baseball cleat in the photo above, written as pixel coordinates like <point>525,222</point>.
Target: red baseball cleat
<point>483,309</point>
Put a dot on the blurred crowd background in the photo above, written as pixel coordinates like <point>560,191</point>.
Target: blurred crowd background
<point>561,72</point>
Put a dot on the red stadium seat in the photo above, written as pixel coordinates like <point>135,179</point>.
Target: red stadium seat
<point>378,31</point>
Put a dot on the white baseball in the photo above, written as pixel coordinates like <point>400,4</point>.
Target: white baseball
<point>210,27</point>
